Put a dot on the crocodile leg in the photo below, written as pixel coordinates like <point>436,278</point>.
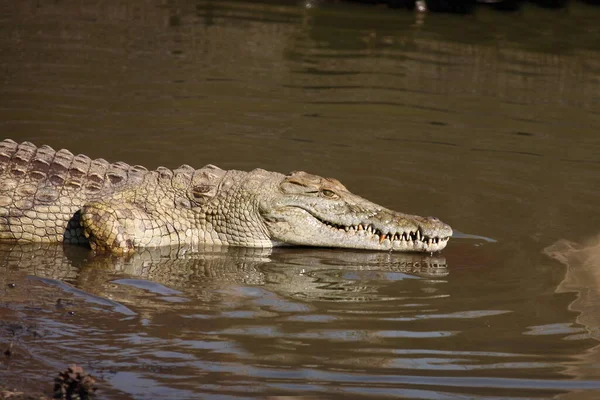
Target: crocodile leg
<point>118,227</point>
<point>105,227</point>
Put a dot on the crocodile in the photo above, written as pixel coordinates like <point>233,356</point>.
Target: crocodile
<point>55,196</point>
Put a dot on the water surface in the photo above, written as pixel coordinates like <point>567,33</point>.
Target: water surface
<point>488,121</point>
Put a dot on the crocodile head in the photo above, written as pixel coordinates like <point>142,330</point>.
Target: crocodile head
<point>310,210</point>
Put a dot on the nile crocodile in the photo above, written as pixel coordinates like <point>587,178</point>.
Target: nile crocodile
<point>55,196</point>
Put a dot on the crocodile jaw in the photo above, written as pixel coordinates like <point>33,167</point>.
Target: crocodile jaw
<point>386,230</point>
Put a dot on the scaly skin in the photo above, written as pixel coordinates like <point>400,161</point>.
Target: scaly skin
<point>54,196</point>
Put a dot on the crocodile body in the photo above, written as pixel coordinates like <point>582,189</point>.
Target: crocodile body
<point>55,196</point>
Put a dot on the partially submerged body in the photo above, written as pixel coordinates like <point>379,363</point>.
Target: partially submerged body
<point>54,196</point>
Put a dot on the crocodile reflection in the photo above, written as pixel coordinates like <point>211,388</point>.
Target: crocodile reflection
<point>582,276</point>
<point>299,273</point>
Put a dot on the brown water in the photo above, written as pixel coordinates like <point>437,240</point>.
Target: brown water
<point>488,121</point>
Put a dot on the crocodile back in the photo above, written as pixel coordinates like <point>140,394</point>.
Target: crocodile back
<point>42,190</point>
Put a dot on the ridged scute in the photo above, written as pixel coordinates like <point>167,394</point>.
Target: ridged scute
<point>136,174</point>
<point>96,175</point>
<point>182,177</point>
<point>117,173</point>
<point>205,182</point>
<point>59,168</point>
<point>40,164</point>
<point>21,159</point>
<point>7,148</point>
<point>165,173</point>
<point>77,173</point>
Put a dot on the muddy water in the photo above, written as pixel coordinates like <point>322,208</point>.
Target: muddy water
<point>488,121</point>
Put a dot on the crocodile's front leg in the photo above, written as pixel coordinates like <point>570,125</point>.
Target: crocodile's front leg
<point>119,227</point>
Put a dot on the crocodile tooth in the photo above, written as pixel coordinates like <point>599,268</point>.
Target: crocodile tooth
<point>360,227</point>
<point>381,238</point>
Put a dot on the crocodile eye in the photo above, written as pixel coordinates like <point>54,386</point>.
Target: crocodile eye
<point>329,194</point>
